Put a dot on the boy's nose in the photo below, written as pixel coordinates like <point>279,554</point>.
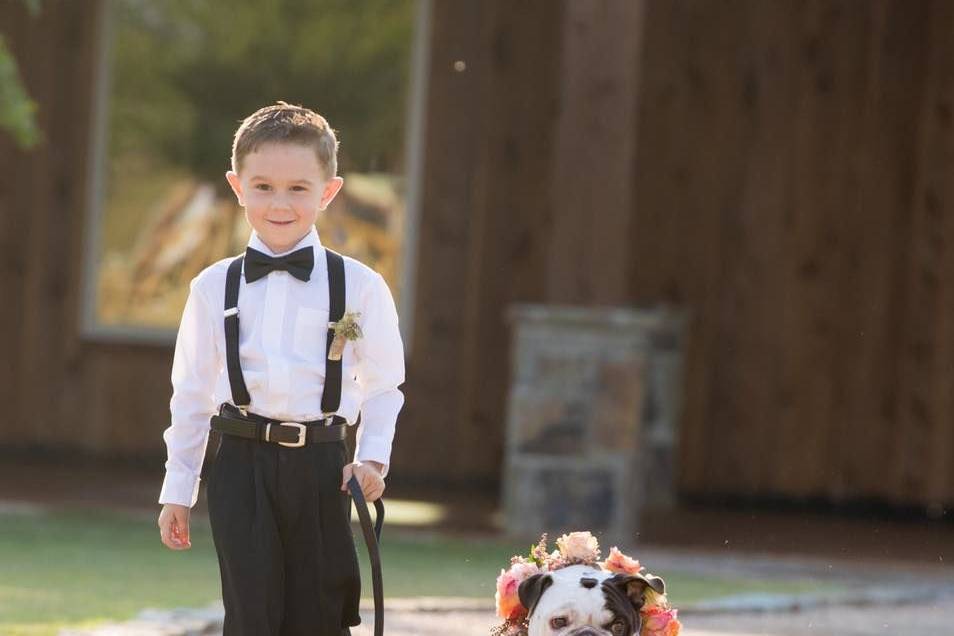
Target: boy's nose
<point>280,202</point>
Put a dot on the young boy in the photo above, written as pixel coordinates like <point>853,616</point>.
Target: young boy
<point>259,356</point>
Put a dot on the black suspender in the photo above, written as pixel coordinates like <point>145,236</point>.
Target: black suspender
<point>240,396</point>
<point>331,394</point>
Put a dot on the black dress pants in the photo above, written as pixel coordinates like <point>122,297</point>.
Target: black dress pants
<point>281,527</point>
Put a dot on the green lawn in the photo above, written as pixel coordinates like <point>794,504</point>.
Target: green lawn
<point>72,568</point>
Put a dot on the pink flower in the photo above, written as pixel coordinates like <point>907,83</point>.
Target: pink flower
<point>538,552</point>
<point>507,598</point>
<point>579,547</point>
<point>620,563</point>
<point>660,622</point>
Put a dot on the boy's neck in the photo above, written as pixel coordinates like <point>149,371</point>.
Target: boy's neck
<point>278,250</point>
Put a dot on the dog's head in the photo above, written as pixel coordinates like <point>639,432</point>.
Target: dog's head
<point>585,601</point>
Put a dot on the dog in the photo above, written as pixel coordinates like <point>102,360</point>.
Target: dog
<point>581,600</point>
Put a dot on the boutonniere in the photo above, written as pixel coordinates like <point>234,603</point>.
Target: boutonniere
<point>345,329</point>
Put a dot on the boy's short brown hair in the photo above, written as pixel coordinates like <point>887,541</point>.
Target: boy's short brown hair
<point>287,123</point>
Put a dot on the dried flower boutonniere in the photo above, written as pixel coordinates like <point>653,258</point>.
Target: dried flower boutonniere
<point>345,329</point>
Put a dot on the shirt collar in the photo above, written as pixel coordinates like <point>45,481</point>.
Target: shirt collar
<point>310,239</point>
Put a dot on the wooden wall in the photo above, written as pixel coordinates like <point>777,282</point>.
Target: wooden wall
<point>58,390</point>
<point>794,191</point>
<point>481,246</point>
<point>782,174</point>
<point>780,169</point>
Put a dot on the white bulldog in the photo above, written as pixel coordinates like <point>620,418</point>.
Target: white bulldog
<point>580,600</point>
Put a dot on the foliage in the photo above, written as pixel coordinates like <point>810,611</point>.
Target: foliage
<point>187,71</point>
<point>17,110</point>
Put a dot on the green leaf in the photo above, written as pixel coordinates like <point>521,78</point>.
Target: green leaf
<point>17,110</point>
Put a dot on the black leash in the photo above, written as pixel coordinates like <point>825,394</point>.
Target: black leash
<point>372,535</point>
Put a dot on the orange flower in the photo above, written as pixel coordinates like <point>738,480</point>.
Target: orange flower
<point>660,622</point>
<point>620,563</point>
<point>508,583</point>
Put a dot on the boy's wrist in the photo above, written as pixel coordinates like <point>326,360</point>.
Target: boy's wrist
<point>378,466</point>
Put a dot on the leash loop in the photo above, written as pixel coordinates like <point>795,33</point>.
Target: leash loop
<point>372,535</point>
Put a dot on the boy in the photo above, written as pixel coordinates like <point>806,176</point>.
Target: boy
<point>259,351</point>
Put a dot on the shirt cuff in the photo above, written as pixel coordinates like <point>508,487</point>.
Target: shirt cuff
<point>179,488</point>
<point>376,430</point>
<point>375,449</point>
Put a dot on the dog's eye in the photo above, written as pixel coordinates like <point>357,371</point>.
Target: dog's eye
<point>559,622</point>
<point>618,628</point>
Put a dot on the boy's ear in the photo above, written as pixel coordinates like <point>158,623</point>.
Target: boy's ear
<point>236,184</point>
<point>332,187</point>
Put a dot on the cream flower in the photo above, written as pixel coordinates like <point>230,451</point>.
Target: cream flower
<point>579,547</point>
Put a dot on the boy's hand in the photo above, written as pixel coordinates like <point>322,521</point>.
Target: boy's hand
<point>368,475</point>
<point>174,526</point>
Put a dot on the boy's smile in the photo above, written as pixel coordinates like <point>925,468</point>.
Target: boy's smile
<point>282,188</point>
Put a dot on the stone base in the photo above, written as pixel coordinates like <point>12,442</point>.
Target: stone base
<point>591,419</point>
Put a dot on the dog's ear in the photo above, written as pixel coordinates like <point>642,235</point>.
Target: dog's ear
<point>634,586</point>
<point>531,589</point>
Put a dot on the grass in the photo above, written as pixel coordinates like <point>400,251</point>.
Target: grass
<point>70,568</point>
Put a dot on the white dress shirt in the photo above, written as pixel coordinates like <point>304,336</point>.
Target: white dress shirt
<point>282,339</point>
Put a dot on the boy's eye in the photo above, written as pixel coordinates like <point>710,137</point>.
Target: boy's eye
<point>263,186</point>
<point>299,188</point>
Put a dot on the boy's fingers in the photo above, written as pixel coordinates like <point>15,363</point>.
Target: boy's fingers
<point>372,495</point>
<point>168,540</point>
<point>174,527</point>
<point>372,485</point>
<point>345,476</point>
<point>183,532</point>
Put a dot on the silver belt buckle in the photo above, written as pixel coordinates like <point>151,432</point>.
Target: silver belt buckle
<point>302,434</point>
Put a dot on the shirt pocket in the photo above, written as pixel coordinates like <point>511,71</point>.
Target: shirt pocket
<point>311,329</point>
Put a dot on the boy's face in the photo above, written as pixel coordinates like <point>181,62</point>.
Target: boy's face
<point>282,188</point>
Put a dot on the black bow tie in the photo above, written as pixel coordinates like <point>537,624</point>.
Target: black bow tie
<point>299,264</point>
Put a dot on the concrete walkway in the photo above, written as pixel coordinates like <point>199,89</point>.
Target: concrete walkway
<point>932,618</point>
<point>872,598</point>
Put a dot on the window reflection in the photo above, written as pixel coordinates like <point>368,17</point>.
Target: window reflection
<point>182,74</point>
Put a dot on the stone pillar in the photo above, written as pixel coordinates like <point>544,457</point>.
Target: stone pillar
<point>592,416</point>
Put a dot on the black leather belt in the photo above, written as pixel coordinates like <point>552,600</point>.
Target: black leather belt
<point>232,421</point>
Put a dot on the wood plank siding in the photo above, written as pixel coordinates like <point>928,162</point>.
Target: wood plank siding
<point>782,170</point>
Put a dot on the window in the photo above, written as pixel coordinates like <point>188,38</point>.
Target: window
<point>178,76</point>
